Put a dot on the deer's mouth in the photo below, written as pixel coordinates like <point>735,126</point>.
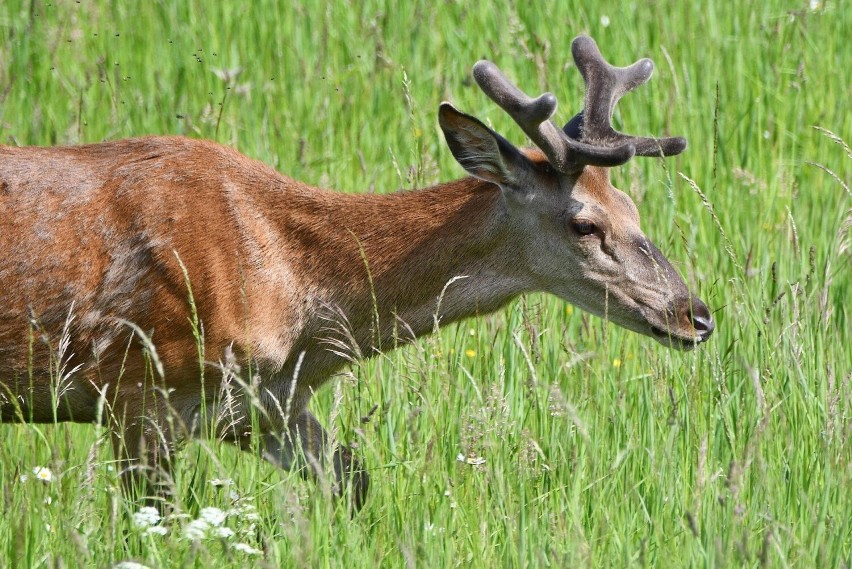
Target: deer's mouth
<point>674,340</point>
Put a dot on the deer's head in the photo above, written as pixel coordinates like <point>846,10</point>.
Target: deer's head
<point>581,238</point>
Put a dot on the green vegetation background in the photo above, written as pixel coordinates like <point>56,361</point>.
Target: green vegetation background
<point>590,446</point>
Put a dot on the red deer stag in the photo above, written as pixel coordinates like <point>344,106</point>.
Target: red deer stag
<point>195,251</point>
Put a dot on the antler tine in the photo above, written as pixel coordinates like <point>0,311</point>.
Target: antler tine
<point>533,116</point>
<point>605,85</point>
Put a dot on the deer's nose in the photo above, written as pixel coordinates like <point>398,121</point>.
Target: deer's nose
<point>702,321</point>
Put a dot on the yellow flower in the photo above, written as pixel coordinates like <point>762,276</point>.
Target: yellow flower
<point>616,362</point>
<point>470,353</point>
<point>569,310</point>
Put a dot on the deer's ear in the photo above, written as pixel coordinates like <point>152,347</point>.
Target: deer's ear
<point>480,151</point>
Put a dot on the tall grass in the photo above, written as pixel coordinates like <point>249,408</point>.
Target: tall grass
<point>538,436</point>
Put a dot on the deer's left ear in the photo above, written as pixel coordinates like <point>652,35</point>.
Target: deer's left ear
<point>480,151</point>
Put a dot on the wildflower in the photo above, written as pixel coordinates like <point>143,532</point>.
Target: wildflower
<point>247,549</point>
<point>223,532</point>
<point>569,310</point>
<point>472,460</point>
<point>212,516</point>
<point>43,473</point>
<point>130,565</point>
<point>605,21</point>
<point>146,517</point>
<point>157,530</point>
<point>246,512</point>
<point>616,362</point>
<point>470,353</point>
<point>24,478</point>
<point>220,483</point>
<point>196,529</point>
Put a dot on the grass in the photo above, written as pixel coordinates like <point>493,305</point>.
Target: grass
<point>600,448</point>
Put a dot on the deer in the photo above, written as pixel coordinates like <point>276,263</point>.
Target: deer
<point>129,266</point>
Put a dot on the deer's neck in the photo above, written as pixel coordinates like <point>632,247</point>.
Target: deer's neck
<point>392,264</point>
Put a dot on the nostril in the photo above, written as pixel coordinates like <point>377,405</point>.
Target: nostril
<point>701,319</point>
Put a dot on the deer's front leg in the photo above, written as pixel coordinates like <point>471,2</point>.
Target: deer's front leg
<point>304,446</point>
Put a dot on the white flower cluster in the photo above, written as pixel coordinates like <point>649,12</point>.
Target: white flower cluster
<point>247,549</point>
<point>148,520</point>
<point>211,524</point>
<point>227,526</point>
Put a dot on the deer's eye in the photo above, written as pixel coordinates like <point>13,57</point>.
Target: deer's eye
<point>583,227</point>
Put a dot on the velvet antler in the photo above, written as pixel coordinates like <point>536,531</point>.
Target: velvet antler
<point>589,138</point>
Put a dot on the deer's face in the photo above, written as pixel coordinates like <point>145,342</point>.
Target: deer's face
<point>584,244</point>
<point>579,238</point>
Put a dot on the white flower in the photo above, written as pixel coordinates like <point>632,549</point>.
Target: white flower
<point>213,516</point>
<point>24,478</point>
<point>157,530</point>
<point>146,517</point>
<point>224,532</point>
<point>247,549</point>
<point>196,529</point>
<point>246,512</point>
<point>130,565</point>
<point>220,483</point>
<point>43,473</point>
<point>605,21</point>
<point>48,500</point>
<point>472,460</point>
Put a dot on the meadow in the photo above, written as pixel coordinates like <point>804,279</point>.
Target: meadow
<point>538,436</point>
